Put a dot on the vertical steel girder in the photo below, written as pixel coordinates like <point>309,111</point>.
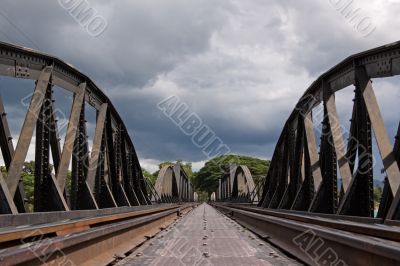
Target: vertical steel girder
<point>359,200</point>
<point>44,184</point>
<point>80,196</point>
<point>325,200</point>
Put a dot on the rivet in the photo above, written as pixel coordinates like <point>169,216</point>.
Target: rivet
<point>119,256</point>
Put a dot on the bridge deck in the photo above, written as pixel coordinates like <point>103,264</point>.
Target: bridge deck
<point>206,237</point>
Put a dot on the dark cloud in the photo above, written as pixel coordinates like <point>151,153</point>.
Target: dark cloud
<point>239,65</point>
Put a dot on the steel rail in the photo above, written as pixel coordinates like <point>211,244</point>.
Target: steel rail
<point>317,244</point>
<point>86,241</point>
<point>60,227</point>
<point>366,226</point>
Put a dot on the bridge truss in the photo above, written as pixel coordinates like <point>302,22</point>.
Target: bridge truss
<point>304,178</point>
<point>237,185</point>
<point>303,208</point>
<point>108,175</point>
<point>173,185</point>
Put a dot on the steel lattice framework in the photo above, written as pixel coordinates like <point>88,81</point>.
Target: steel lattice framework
<point>173,185</point>
<point>237,185</point>
<point>107,176</point>
<point>301,178</point>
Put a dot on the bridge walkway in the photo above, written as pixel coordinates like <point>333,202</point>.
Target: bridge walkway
<point>206,237</point>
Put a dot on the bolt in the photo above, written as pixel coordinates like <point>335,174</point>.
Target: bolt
<point>205,254</point>
<point>139,254</point>
<point>119,256</point>
<point>204,244</point>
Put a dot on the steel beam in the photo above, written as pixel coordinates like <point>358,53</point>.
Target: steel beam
<point>14,173</point>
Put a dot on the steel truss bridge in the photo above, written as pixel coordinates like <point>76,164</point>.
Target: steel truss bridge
<point>93,206</point>
<point>173,185</point>
<point>237,185</point>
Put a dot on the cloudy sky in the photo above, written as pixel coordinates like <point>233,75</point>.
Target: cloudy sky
<point>239,65</point>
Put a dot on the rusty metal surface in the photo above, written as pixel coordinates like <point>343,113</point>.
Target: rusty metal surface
<point>318,244</point>
<point>371,227</point>
<point>17,232</point>
<point>93,241</point>
<point>206,237</point>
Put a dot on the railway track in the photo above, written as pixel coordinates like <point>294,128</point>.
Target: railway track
<point>321,239</point>
<point>82,237</point>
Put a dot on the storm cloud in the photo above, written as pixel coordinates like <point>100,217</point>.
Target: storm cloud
<point>239,65</point>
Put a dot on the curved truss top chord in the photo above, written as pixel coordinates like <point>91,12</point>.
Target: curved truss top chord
<point>173,185</point>
<point>300,179</point>
<point>108,176</point>
<point>237,185</point>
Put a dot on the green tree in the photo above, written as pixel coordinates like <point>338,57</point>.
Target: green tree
<point>151,177</point>
<point>28,179</point>
<point>187,167</point>
<point>161,165</point>
<point>377,195</point>
<point>207,177</point>
<point>203,196</point>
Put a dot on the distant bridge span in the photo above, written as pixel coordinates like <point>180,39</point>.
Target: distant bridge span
<point>173,185</point>
<point>237,185</point>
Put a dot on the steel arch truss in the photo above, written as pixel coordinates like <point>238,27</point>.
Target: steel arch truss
<point>237,185</point>
<point>302,179</point>
<point>108,175</point>
<point>173,185</point>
